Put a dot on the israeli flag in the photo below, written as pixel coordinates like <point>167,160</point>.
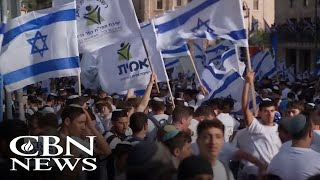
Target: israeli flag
<point>199,54</point>
<point>231,86</point>
<point>89,71</point>
<point>224,57</point>
<point>171,63</point>
<point>214,53</point>
<point>202,19</point>
<point>264,67</point>
<point>156,59</point>
<point>40,45</point>
<point>175,52</point>
<point>210,79</point>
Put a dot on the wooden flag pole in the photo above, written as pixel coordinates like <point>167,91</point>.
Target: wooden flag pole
<point>253,92</point>
<point>149,60</point>
<point>79,84</point>
<point>190,53</point>
<point>171,95</point>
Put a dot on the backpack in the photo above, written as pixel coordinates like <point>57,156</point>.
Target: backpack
<point>159,124</point>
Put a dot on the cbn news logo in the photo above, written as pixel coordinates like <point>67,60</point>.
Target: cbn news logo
<point>41,153</point>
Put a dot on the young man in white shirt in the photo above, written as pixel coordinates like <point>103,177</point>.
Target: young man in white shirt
<point>297,162</point>
<point>202,113</point>
<point>264,134</point>
<point>154,122</point>
<point>210,141</point>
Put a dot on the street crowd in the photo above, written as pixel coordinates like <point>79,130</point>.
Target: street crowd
<point>188,137</point>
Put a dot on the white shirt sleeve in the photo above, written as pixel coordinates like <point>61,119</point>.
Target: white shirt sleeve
<point>256,127</point>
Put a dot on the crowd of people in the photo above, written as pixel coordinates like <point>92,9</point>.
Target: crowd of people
<point>157,137</point>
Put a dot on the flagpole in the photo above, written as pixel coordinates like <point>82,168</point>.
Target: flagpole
<point>192,61</point>
<point>79,84</point>
<point>238,57</point>
<point>149,60</point>
<point>170,91</point>
<point>251,83</point>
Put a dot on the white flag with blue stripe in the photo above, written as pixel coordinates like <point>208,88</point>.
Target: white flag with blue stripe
<point>175,65</point>
<point>199,54</point>
<point>202,19</point>
<point>175,51</point>
<point>231,86</point>
<point>149,36</point>
<point>40,45</point>
<point>210,79</point>
<point>265,66</point>
<point>224,57</point>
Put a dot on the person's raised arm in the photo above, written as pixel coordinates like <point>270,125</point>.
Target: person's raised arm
<point>146,96</point>
<point>248,116</point>
<point>130,94</point>
<point>102,147</point>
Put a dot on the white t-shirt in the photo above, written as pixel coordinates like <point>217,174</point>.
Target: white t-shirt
<point>221,173</point>
<point>285,92</point>
<point>315,144</point>
<point>295,163</point>
<point>265,139</point>
<point>243,141</point>
<point>227,153</point>
<point>229,123</point>
<point>193,126</point>
<point>152,129</point>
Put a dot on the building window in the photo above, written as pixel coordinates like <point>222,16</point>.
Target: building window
<point>305,3</point>
<point>159,4</point>
<point>291,3</point>
<point>255,4</point>
<point>179,2</point>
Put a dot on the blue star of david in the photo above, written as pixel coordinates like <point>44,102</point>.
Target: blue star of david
<point>33,42</point>
<point>201,24</point>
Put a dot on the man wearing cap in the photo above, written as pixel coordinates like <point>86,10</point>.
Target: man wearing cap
<point>178,143</point>
<point>263,134</point>
<point>297,162</point>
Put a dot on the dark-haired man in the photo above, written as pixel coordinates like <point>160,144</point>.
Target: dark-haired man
<point>210,141</point>
<point>120,124</point>
<point>297,162</point>
<point>139,126</point>
<point>263,134</point>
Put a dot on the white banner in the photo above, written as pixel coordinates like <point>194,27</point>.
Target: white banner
<point>103,22</point>
<point>123,66</point>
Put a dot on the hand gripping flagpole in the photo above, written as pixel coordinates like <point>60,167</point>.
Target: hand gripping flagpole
<point>169,86</point>
<point>190,53</point>
<point>149,60</point>
<point>253,92</point>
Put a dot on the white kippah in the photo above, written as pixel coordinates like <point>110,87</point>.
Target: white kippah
<point>157,99</point>
<point>75,105</point>
<point>200,97</point>
<point>73,96</point>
